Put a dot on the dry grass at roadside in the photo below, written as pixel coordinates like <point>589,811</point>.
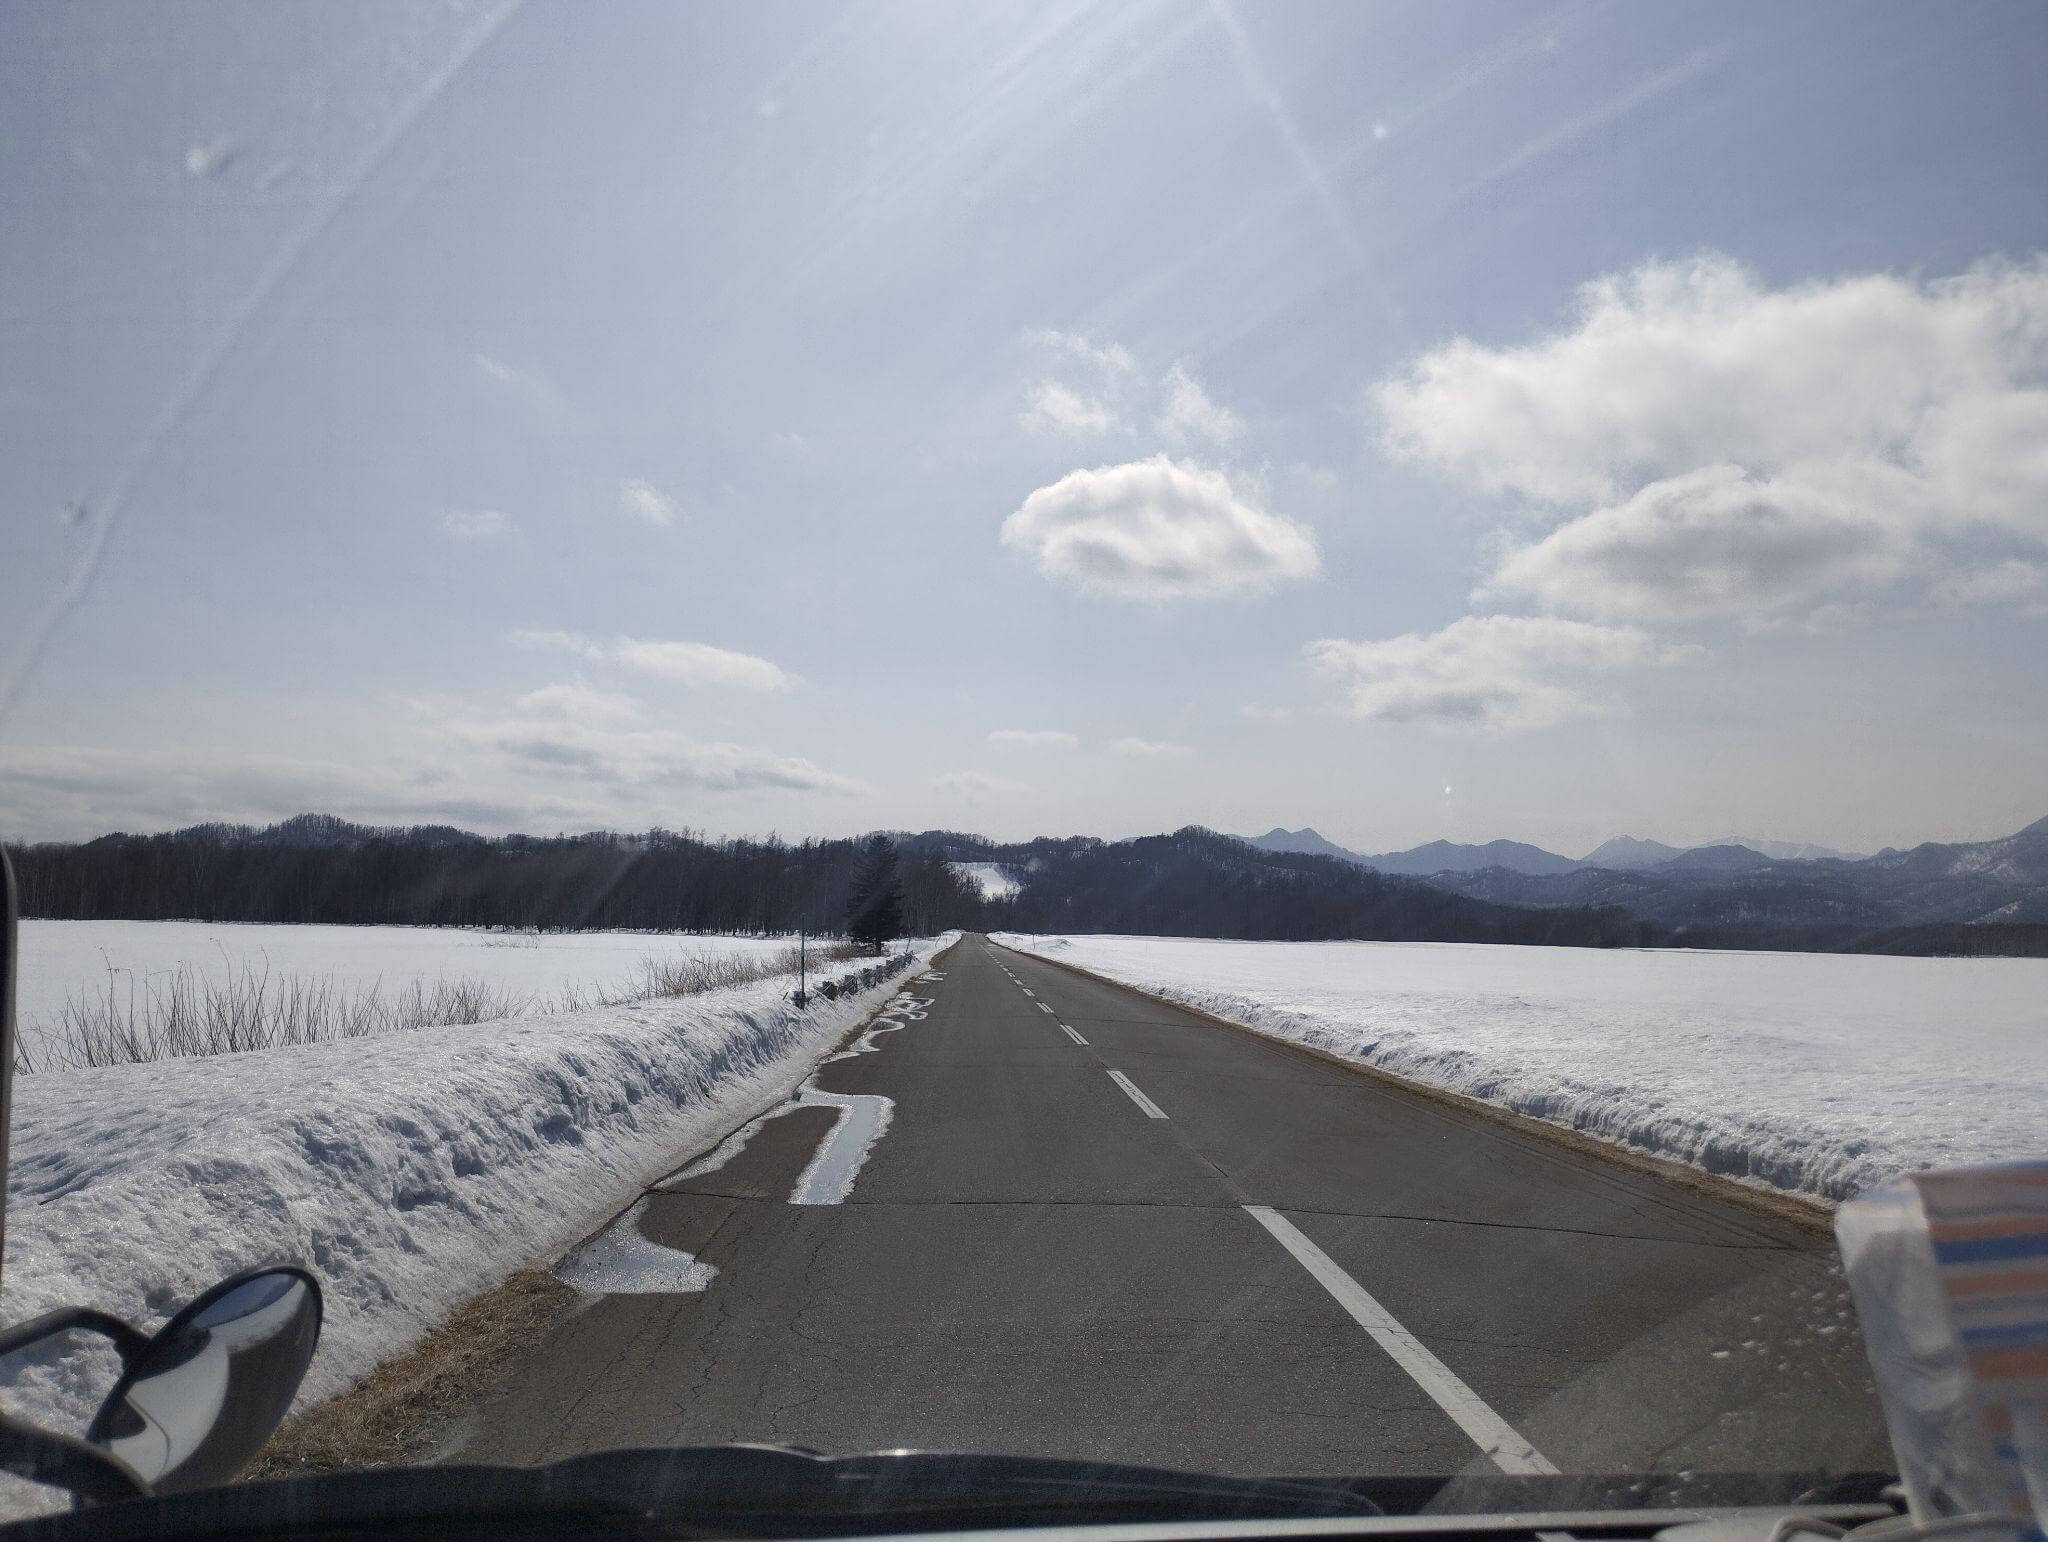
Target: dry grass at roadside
<point>187,1012</point>
<point>405,1410</point>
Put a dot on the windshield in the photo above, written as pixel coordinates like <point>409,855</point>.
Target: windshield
<point>1260,739</point>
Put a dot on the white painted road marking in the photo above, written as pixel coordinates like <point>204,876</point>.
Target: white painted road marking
<point>1152,1109</point>
<point>1493,1434</point>
<point>1073,1035</point>
<point>1043,1007</point>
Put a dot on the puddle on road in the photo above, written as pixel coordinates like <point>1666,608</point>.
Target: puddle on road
<point>863,1120</point>
<point>618,1261</point>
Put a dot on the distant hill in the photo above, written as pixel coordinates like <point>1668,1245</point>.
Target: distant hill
<point>1624,853</point>
<point>1450,857</point>
<point>1418,861</point>
<point>1303,842</point>
<point>1197,883</point>
<point>1714,859</point>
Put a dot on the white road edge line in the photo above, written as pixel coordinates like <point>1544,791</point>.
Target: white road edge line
<point>1493,1434</point>
<point>1152,1109</point>
<point>1073,1035</point>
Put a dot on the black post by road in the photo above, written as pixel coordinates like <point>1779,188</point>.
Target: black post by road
<point>9,938</point>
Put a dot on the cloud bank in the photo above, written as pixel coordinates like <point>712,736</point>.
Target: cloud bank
<point>694,664</point>
<point>1699,450</point>
<point>1504,673</point>
<point>1704,447</point>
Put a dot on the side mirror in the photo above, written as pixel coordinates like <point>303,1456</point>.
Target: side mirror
<point>199,1399</point>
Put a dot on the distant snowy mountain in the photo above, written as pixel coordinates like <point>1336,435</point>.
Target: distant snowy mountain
<point>1451,857</point>
<point>1624,853</point>
<point>1791,851</point>
<point>2021,857</point>
<point>1303,842</point>
<point>1938,897</point>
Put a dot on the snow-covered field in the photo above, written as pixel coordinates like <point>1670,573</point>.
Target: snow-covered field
<point>1814,1073</point>
<point>410,1171</point>
<point>61,959</point>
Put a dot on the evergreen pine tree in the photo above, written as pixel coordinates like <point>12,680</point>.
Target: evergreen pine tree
<point>874,907</point>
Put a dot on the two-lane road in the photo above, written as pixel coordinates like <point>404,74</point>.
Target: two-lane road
<point>1095,1225</point>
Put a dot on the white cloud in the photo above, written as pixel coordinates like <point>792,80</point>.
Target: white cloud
<point>976,786</point>
<point>1190,414</point>
<point>1052,408</point>
<point>701,664</point>
<point>561,757</point>
<point>692,663</point>
<point>78,791</point>
<point>574,702</point>
<point>1084,394</point>
<point>645,501</point>
<point>1711,447</point>
<point>591,740</point>
<point>1157,530</point>
<point>2009,583</point>
<point>1505,673</point>
<point>476,524</point>
<point>1109,358</point>
<point>1035,738</point>
<point>546,641</point>
<point>497,369</point>
<point>211,157</point>
<point>1146,749</point>
<point>1713,542</point>
<point>650,761</point>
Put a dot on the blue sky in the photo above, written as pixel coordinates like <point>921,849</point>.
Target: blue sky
<point>1410,420</point>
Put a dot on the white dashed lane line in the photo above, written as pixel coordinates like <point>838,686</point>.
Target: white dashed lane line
<point>1152,1109</point>
<point>1489,1431</point>
<point>1072,1035</point>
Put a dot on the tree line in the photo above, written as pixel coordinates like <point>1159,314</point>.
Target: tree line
<point>317,869</point>
<point>1192,883</point>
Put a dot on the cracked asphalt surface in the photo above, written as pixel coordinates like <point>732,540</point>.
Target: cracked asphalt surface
<point>1027,1263</point>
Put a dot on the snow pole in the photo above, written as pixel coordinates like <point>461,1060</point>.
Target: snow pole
<point>800,974</point>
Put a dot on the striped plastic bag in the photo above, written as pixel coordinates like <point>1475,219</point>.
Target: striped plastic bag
<point>1949,1271</point>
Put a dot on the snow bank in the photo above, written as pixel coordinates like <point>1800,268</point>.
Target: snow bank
<point>410,1172</point>
<point>1818,1074</point>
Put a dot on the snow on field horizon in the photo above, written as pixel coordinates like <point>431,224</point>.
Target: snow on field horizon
<point>410,1172</point>
<point>993,879</point>
<point>1815,1074</point>
<point>74,960</point>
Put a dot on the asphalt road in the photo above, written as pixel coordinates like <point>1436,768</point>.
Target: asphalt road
<point>1097,1226</point>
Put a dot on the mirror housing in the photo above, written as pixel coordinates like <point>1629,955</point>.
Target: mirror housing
<point>201,1397</point>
